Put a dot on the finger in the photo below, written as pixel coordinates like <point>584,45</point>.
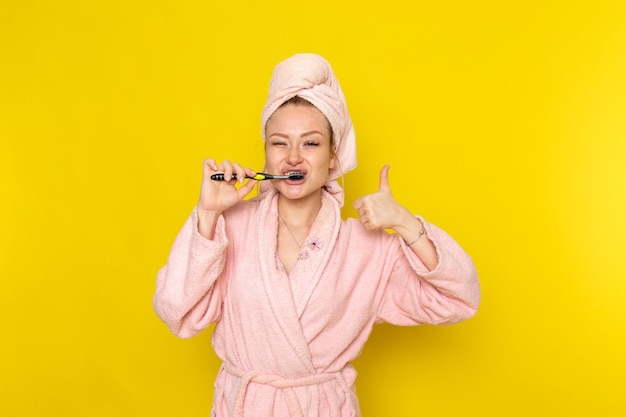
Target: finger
<point>369,225</point>
<point>227,168</point>
<point>246,189</point>
<point>250,172</point>
<point>209,163</point>
<point>384,179</point>
<point>240,172</point>
<point>357,203</point>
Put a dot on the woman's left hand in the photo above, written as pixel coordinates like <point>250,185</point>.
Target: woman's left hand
<point>380,210</point>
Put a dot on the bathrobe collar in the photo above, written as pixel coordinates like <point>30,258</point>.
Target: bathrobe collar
<point>289,296</point>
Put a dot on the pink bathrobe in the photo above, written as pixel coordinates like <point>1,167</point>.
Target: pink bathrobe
<point>287,340</point>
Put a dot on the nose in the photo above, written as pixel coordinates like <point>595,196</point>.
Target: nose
<point>294,157</point>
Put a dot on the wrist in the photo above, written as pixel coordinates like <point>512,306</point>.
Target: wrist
<point>207,213</point>
<point>207,219</point>
<point>412,231</point>
<point>419,236</point>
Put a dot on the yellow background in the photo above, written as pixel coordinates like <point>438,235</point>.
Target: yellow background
<point>504,123</point>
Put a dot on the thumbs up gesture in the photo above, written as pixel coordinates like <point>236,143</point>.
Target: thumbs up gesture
<point>380,210</point>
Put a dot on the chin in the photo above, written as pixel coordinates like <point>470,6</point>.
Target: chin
<point>298,194</point>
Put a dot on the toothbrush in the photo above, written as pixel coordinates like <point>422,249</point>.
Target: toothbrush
<point>262,176</point>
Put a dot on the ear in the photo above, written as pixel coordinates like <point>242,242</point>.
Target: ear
<point>331,163</point>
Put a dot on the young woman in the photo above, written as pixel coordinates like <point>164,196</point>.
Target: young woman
<point>293,289</point>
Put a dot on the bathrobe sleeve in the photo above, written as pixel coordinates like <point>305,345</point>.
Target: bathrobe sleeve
<point>189,291</point>
<point>447,294</point>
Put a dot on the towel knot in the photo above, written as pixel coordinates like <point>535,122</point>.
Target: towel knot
<point>300,72</point>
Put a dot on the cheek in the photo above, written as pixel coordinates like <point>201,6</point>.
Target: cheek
<point>270,157</point>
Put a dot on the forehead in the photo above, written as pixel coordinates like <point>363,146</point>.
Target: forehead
<point>294,118</point>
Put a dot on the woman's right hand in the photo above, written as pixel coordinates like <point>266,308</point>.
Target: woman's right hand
<point>217,196</point>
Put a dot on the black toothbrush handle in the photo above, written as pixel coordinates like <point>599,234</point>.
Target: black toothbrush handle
<point>259,177</point>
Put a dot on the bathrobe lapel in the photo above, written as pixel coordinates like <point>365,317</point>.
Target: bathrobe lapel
<point>277,287</point>
<point>307,272</point>
<point>287,303</point>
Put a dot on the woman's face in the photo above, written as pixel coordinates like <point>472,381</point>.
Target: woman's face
<point>297,139</point>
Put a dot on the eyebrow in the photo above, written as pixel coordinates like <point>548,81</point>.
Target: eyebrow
<point>305,134</point>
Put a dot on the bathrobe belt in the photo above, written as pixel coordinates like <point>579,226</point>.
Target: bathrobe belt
<point>287,385</point>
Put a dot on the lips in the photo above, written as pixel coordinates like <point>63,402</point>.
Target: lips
<point>294,176</point>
